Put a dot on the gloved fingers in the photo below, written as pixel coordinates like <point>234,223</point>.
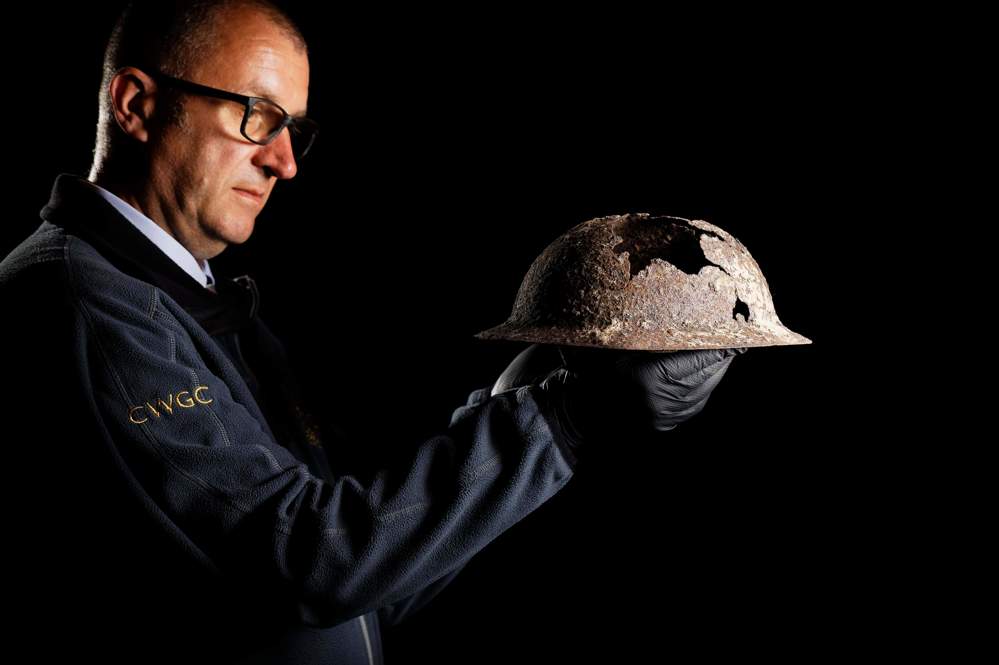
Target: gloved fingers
<point>559,375</point>
<point>590,360</point>
<point>667,419</point>
<point>675,403</point>
<point>684,369</point>
<point>595,359</point>
<point>699,385</point>
<point>680,365</point>
<point>531,365</point>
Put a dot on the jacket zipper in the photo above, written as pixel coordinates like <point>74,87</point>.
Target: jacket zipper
<point>367,640</point>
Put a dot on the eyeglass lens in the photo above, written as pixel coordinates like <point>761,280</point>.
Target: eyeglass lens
<point>265,118</point>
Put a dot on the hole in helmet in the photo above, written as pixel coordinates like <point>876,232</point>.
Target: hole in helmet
<point>740,308</point>
<point>674,241</point>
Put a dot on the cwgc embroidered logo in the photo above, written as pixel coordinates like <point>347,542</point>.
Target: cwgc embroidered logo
<point>185,399</point>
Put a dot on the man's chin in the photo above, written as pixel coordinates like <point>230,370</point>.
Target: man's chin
<point>236,232</point>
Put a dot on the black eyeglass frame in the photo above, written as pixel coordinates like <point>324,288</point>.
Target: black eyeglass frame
<point>248,102</point>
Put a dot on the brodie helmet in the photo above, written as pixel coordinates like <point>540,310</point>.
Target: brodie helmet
<point>643,282</point>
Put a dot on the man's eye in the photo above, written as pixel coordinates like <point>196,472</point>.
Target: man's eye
<point>256,124</point>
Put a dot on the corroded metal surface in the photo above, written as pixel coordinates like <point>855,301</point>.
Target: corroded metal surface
<point>644,282</point>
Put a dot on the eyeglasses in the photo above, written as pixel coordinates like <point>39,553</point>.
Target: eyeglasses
<point>263,119</point>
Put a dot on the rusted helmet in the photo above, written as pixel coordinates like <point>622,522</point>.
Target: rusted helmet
<point>644,282</point>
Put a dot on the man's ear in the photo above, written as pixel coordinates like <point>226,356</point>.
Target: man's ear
<point>133,101</point>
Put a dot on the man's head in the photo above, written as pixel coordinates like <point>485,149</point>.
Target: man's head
<point>178,157</point>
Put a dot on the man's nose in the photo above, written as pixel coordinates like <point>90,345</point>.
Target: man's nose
<point>277,156</point>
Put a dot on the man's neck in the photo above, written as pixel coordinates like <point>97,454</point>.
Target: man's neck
<point>125,192</point>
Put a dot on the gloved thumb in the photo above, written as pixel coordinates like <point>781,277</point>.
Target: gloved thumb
<point>529,366</point>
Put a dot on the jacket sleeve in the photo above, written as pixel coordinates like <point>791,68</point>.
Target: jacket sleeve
<point>249,508</point>
<point>396,613</point>
<point>393,615</point>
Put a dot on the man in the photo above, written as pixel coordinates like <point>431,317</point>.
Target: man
<point>170,498</point>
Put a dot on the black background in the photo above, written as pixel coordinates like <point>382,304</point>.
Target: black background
<point>450,156</point>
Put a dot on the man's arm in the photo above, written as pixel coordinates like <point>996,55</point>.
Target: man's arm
<point>254,511</point>
<point>392,615</point>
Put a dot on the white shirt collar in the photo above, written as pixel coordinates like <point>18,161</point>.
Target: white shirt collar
<point>202,272</point>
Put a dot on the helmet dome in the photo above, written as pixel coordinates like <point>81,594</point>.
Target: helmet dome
<point>643,282</point>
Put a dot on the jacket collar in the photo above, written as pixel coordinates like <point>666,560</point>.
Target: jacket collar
<point>82,211</point>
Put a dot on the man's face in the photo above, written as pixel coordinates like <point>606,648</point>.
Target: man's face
<point>198,167</point>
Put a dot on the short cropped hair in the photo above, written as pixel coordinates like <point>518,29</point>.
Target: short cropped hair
<point>171,36</point>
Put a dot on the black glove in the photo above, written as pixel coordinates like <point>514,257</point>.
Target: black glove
<point>531,365</point>
<point>604,394</point>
